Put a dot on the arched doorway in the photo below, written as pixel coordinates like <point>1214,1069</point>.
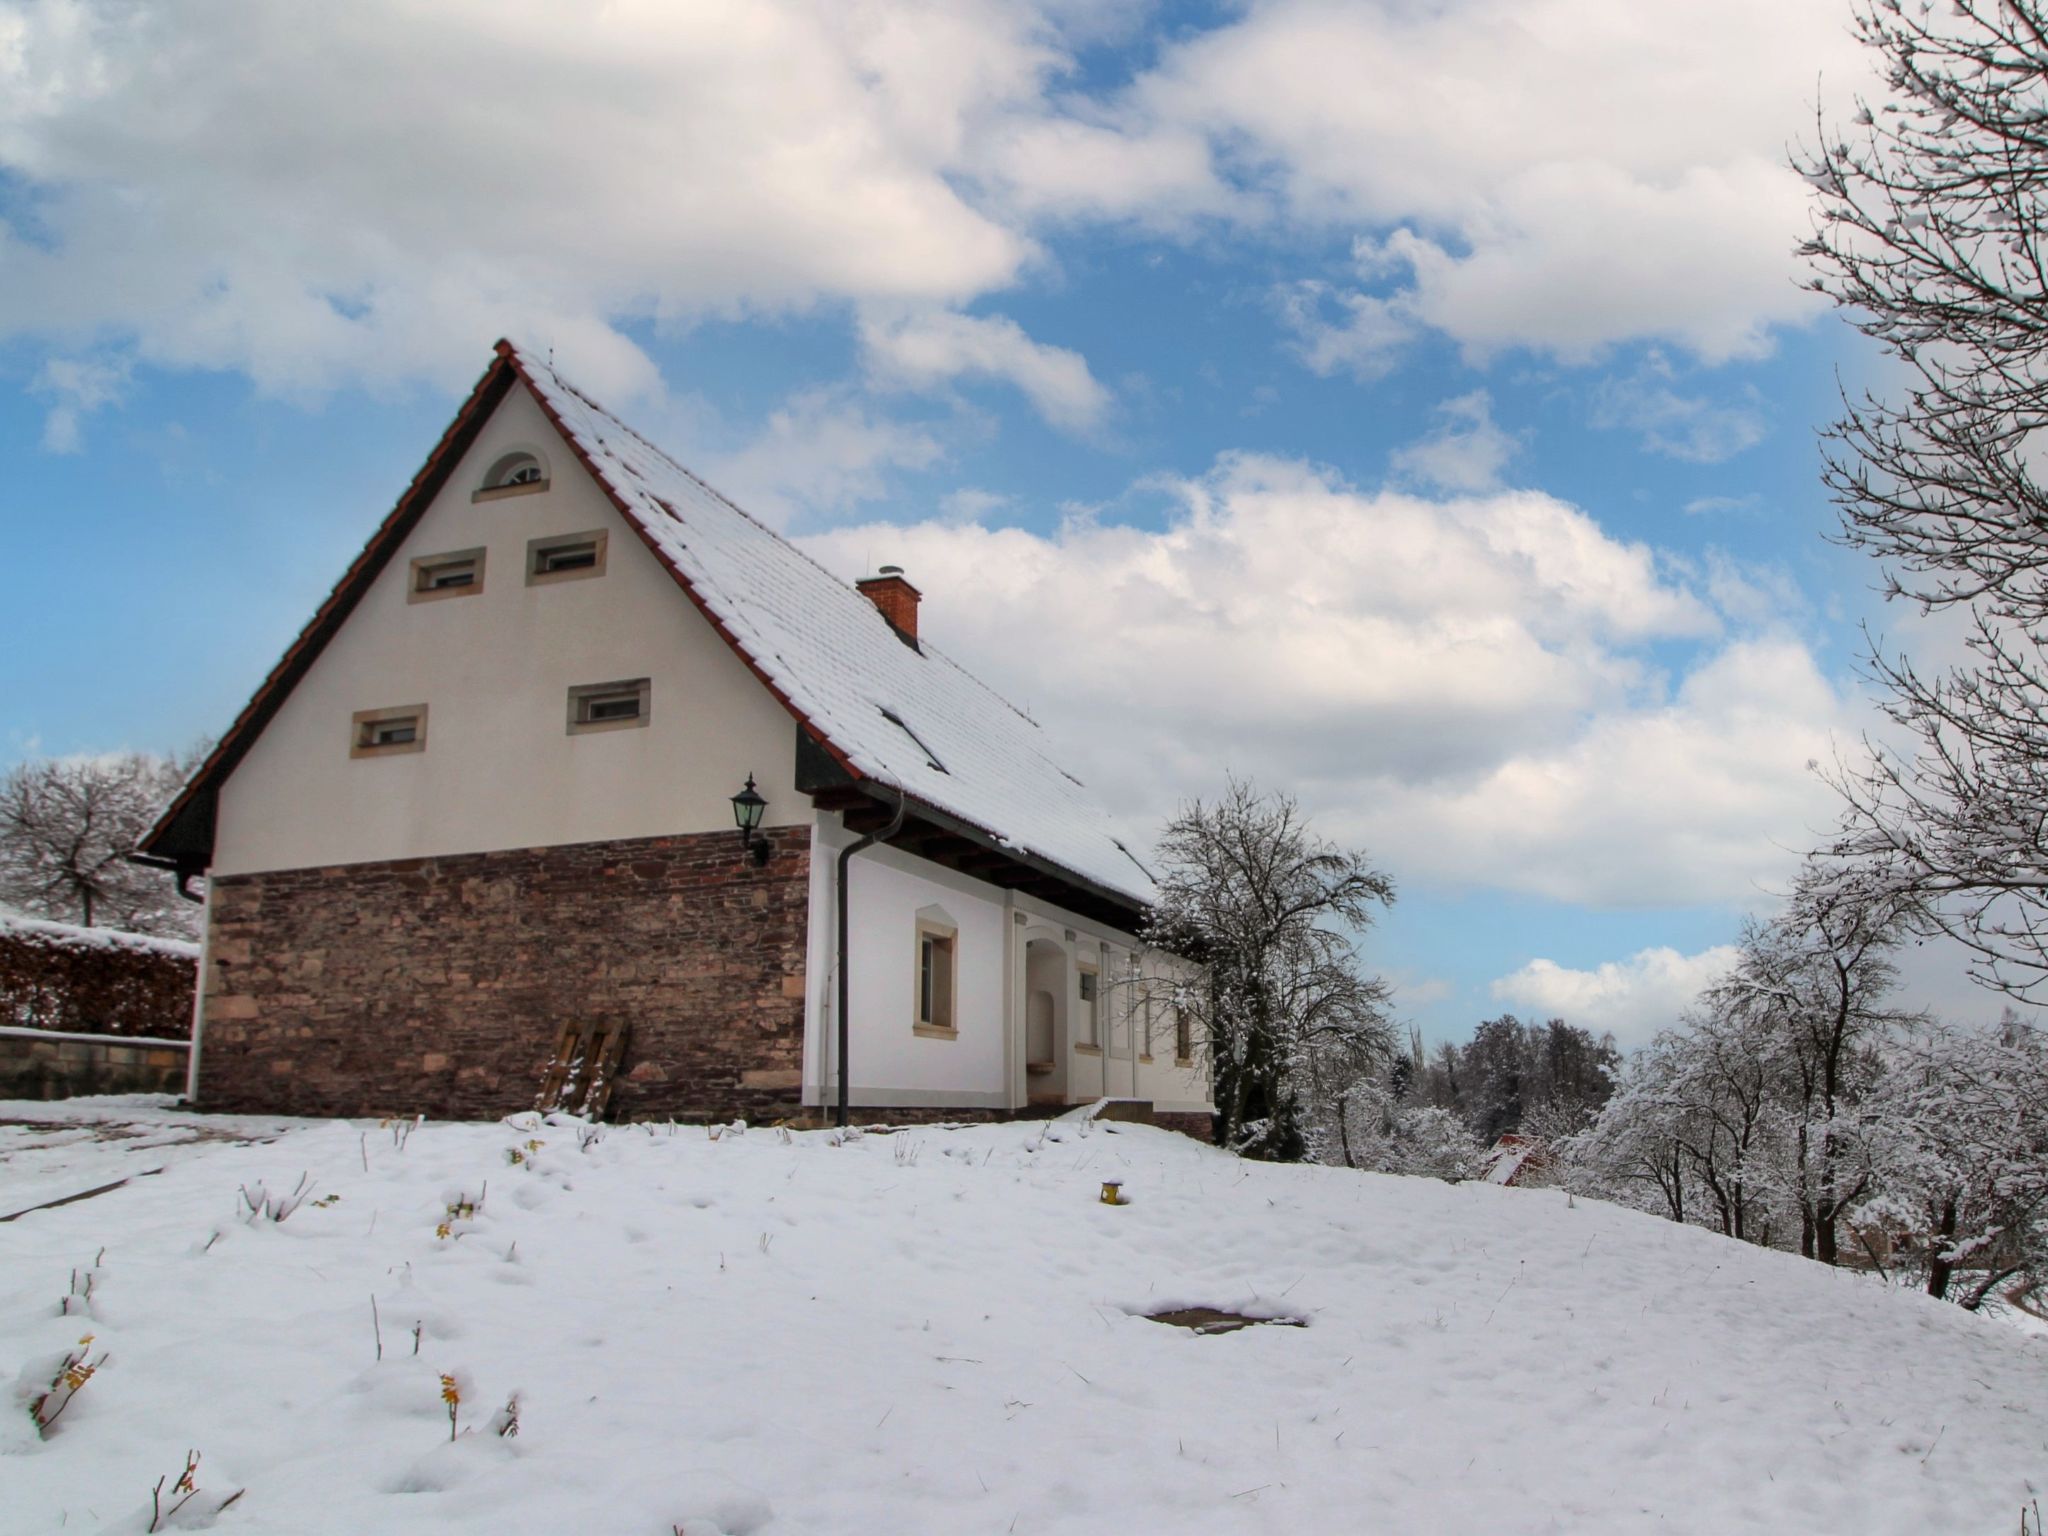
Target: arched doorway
<point>1045,1033</point>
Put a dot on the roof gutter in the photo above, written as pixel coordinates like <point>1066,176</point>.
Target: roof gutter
<point>184,869</point>
<point>839,893</point>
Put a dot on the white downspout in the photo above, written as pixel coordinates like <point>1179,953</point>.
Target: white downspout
<point>199,997</point>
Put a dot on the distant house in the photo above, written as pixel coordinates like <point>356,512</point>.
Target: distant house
<point>475,836</point>
<point>1515,1159</point>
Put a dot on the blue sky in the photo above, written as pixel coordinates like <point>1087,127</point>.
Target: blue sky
<point>1410,405</point>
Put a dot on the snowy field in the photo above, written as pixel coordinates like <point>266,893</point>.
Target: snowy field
<point>938,1331</point>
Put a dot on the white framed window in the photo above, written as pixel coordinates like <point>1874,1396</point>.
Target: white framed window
<point>609,706</point>
<point>458,573</point>
<point>937,980</point>
<point>388,732</point>
<point>565,557</point>
<point>521,472</point>
<point>1091,1008</point>
<point>1183,1037</point>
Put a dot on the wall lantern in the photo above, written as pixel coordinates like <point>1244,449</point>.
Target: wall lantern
<point>747,807</point>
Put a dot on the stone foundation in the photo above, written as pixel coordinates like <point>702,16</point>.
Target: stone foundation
<point>437,986</point>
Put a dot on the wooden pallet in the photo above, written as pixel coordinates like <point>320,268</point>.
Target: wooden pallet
<point>579,1075</point>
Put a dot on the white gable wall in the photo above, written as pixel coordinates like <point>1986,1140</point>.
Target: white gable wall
<point>500,769</point>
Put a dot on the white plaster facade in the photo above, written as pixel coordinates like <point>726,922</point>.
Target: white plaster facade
<point>501,769</point>
<point>1014,951</point>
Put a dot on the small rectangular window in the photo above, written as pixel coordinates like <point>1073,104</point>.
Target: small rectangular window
<point>459,573</point>
<point>1090,1017</point>
<point>1183,1038</point>
<point>935,980</point>
<point>387,732</point>
<point>565,557</point>
<point>608,706</point>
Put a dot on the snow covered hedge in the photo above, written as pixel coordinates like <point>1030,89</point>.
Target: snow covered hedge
<point>95,980</point>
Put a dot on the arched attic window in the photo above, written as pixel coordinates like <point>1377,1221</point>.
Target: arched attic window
<point>515,473</point>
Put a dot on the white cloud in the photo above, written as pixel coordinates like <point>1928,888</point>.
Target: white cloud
<point>1701,506</point>
<point>1465,452</point>
<point>972,505</point>
<point>934,347</point>
<point>1555,174</point>
<point>1466,686</point>
<point>79,386</point>
<point>369,192</point>
<point>821,454</point>
<point>1363,339</point>
<point>1688,427</point>
<point>373,191</point>
<point>1632,998</point>
<point>1707,795</point>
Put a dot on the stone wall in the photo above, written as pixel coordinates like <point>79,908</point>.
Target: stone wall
<point>37,1064</point>
<point>438,985</point>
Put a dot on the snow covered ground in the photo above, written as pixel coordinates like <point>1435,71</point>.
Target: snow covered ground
<point>937,1331</point>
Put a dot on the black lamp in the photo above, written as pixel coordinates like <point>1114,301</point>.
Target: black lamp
<point>747,807</point>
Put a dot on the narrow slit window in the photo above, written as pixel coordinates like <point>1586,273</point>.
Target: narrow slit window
<point>1091,1024</point>
<point>388,732</point>
<point>608,706</point>
<point>1183,1038</point>
<point>565,557</point>
<point>555,559</point>
<point>460,573</point>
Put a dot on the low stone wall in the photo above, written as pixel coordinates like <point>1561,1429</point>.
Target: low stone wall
<point>439,985</point>
<point>41,1064</point>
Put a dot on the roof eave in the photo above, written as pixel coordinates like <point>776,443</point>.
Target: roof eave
<point>1135,907</point>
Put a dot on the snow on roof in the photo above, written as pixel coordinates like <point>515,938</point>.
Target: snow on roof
<point>908,717</point>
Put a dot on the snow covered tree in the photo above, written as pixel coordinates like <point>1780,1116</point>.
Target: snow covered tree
<point>1384,1131</point>
<point>1634,1150</point>
<point>67,826</point>
<point>1965,1201</point>
<point>1932,233</point>
<point>1810,989</point>
<point>1689,1130</point>
<point>1273,910</point>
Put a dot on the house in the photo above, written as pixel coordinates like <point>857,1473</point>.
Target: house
<point>479,825</point>
<point>1515,1159</point>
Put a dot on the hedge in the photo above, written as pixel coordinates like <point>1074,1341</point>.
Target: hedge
<point>95,981</point>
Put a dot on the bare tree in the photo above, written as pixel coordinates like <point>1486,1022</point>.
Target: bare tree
<point>1930,233</point>
<point>67,826</point>
<point>1273,910</point>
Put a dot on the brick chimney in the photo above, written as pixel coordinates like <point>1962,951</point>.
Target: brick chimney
<point>895,597</point>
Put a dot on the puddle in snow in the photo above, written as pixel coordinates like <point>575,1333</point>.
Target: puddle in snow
<point>1212,1320</point>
